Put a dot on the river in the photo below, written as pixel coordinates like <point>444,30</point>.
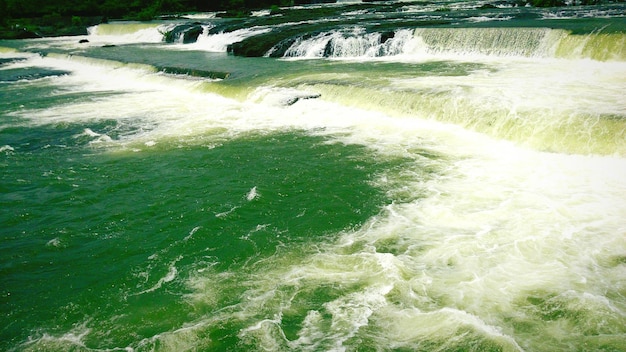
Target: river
<point>403,176</point>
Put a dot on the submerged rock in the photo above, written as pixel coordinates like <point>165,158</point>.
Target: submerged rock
<point>292,100</point>
<point>193,72</point>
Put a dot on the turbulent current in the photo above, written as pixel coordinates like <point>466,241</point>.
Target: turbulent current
<point>402,176</point>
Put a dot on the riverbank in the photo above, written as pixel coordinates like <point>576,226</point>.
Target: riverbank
<point>48,26</point>
<point>65,23</point>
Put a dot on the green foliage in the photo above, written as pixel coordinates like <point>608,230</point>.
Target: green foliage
<point>142,9</point>
<point>238,4</point>
<point>52,20</point>
<point>77,21</point>
<point>146,14</point>
<point>171,6</point>
<point>4,12</point>
<point>113,8</point>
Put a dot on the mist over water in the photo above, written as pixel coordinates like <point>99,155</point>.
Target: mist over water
<point>438,189</point>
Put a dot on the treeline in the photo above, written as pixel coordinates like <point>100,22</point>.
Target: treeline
<point>147,9</point>
<point>28,18</point>
<point>136,9</point>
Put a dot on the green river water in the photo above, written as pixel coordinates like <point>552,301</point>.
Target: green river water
<point>459,187</point>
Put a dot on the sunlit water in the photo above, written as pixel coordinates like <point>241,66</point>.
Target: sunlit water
<point>447,191</point>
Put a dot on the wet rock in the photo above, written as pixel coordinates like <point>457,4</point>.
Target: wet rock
<point>193,72</point>
<point>255,46</point>
<point>292,100</point>
<point>189,33</point>
<point>279,49</point>
<point>385,36</point>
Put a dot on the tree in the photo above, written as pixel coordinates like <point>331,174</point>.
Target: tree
<point>4,12</point>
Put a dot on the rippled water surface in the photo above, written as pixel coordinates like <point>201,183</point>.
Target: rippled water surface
<point>442,187</point>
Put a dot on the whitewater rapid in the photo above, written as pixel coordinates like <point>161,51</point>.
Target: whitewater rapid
<point>503,174</point>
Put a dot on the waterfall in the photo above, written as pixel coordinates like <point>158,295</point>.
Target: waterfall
<point>525,42</point>
<point>128,32</point>
<point>462,42</point>
<point>219,42</point>
<point>521,42</point>
<point>357,43</point>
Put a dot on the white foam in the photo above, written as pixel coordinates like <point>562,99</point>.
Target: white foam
<point>488,19</point>
<point>470,234</point>
<point>226,213</point>
<point>89,132</point>
<point>122,33</point>
<point>261,13</point>
<point>408,328</point>
<point>502,223</point>
<point>201,15</point>
<point>55,242</point>
<point>219,42</point>
<point>350,44</point>
<point>70,340</point>
<point>7,148</point>
<point>280,97</point>
<point>169,277</point>
<point>252,194</point>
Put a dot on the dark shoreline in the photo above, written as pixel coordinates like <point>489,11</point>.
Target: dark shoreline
<point>56,26</point>
<point>29,28</point>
